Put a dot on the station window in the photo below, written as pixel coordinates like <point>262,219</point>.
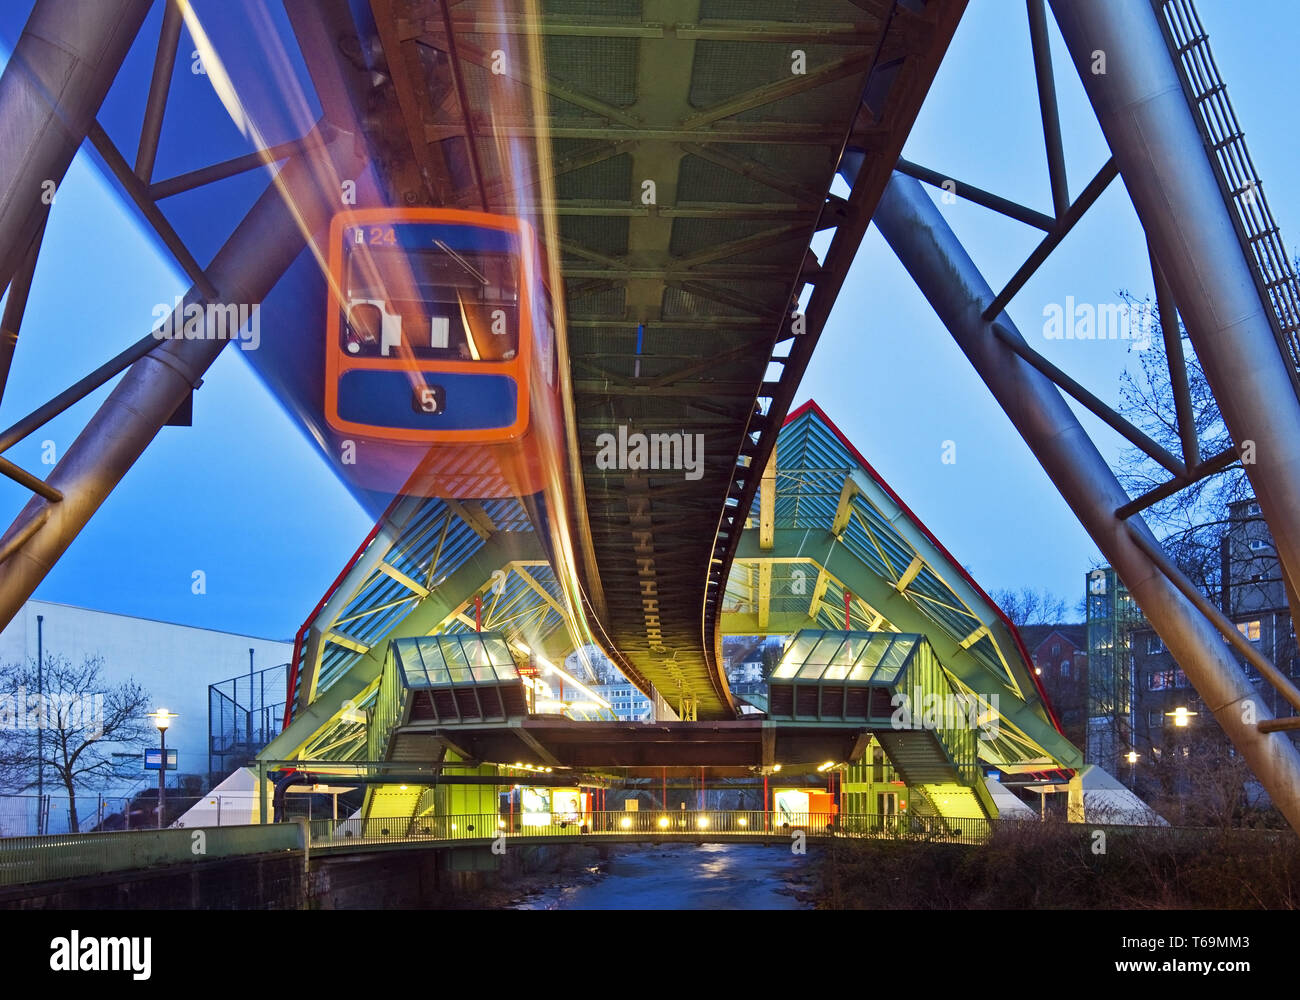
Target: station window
<point>1249,629</point>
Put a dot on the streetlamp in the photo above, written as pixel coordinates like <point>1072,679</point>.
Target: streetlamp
<point>1180,715</point>
<point>162,719</point>
<point>1132,758</point>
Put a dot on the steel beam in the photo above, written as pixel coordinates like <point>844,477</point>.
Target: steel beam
<point>159,87</point>
<point>50,92</point>
<point>1156,142</point>
<point>767,502</point>
<point>16,305</point>
<point>932,254</point>
<point>1047,106</point>
<point>1173,338</point>
<point>244,270</point>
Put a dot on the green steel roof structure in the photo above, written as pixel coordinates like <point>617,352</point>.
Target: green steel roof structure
<point>831,535</point>
<point>831,525</point>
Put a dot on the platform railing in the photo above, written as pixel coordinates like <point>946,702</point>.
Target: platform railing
<point>692,825</point>
<point>25,860</point>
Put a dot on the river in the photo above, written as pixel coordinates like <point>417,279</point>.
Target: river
<point>684,877</point>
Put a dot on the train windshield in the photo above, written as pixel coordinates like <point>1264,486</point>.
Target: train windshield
<point>431,291</point>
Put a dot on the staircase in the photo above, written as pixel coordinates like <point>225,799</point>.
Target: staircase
<point>918,756</point>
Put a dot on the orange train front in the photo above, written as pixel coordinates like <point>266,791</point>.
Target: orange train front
<point>440,361</point>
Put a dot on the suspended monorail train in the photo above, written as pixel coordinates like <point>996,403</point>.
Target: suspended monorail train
<point>441,369</point>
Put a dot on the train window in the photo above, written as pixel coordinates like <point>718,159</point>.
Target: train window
<point>437,298</point>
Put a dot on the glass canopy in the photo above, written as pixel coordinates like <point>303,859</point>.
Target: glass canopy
<point>464,658</point>
<point>863,657</point>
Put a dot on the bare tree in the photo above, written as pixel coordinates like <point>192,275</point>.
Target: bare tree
<point>1199,779</point>
<point>1190,522</point>
<point>1027,606</point>
<point>72,726</point>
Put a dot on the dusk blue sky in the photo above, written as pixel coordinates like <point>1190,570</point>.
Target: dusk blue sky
<point>244,497</point>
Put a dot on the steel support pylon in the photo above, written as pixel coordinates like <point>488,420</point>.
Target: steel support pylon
<point>950,281</point>
<point>1121,56</point>
<point>295,207</point>
<point>50,92</point>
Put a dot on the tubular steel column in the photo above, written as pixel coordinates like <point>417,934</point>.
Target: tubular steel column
<point>1153,134</point>
<point>50,92</point>
<point>956,290</point>
<point>252,260</point>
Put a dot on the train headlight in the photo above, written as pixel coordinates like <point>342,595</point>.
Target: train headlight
<point>365,322</point>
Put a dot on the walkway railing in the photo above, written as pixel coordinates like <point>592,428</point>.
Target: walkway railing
<point>26,860</point>
<point>44,859</point>
<point>692,825</point>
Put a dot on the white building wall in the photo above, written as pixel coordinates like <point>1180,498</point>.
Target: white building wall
<point>174,663</point>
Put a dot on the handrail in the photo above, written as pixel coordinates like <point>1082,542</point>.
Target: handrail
<point>25,860</point>
<point>650,824</point>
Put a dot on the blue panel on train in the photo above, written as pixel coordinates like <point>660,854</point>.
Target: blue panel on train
<point>425,235</point>
<point>466,401</point>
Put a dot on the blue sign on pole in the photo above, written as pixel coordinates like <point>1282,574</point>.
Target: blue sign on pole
<point>152,757</point>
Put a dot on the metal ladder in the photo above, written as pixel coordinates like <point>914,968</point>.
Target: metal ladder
<point>1243,193</point>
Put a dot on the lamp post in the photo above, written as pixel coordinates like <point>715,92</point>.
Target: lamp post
<point>162,719</point>
<point>40,730</point>
<point>1132,758</point>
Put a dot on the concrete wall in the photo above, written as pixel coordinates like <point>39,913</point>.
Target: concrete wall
<point>261,882</point>
<point>174,663</point>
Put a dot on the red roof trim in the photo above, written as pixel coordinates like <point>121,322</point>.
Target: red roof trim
<point>811,406</point>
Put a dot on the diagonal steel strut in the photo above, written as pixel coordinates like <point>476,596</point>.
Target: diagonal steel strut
<point>950,281</point>
<point>244,270</point>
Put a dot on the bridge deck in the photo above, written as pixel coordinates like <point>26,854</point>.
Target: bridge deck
<point>561,742</point>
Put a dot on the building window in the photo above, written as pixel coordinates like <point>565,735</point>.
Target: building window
<point>1056,649</point>
<point>1154,645</point>
<point>1259,545</point>
<point>1249,629</point>
<point>1253,509</point>
<point>1065,668</point>
<point>1160,680</point>
<point>1155,720</point>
